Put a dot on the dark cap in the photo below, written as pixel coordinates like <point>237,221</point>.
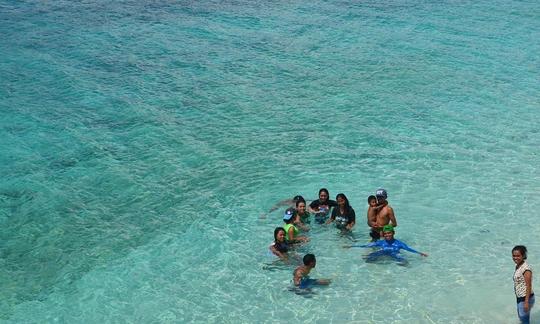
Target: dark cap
<point>381,193</point>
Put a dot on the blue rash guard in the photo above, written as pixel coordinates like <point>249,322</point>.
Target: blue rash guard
<point>389,248</point>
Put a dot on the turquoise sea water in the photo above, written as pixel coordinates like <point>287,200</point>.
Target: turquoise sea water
<point>141,141</point>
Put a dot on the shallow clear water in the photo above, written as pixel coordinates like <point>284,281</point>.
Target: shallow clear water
<point>140,143</point>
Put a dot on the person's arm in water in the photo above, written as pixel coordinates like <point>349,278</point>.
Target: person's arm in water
<point>313,207</point>
<point>332,217</point>
<point>279,204</point>
<point>528,283</point>
<point>302,226</point>
<point>352,219</point>
<point>324,281</point>
<point>391,216</point>
<point>407,248</point>
<point>282,256</point>
<point>372,244</point>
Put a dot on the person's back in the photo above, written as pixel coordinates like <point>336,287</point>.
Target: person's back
<point>291,232</point>
<point>301,274</point>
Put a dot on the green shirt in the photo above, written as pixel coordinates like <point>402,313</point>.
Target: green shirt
<point>287,227</point>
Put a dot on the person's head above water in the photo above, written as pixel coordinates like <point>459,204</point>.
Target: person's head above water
<point>309,260</point>
<point>388,232</point>
<point>289,215</point>
<point>279,234</point>
<point>381,193</point>
<point>342,199</point>
<point>301,207</point>
<point>324,195</point>
<point>298,198</point>
<point>372,201</point>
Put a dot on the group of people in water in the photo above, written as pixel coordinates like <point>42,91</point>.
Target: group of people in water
<point>382,222</point>
<point>380,219</point>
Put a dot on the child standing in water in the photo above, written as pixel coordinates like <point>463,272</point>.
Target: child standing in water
<point>301,274</point>
<point>372,218</point>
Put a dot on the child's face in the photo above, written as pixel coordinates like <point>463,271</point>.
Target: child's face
<point>373,203</point>
<point>389,236</point>
<point>280,236</point>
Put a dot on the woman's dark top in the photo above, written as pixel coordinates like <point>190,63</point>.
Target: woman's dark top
<point>346,218</point>
<point>316,203</point>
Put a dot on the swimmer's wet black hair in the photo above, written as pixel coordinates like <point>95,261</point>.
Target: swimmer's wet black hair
<point>308,258</point>
<point>300,201</point>
<point>370,198</point>
<point>522,249</point>
<point>324,190</point>
<point>298,198</point>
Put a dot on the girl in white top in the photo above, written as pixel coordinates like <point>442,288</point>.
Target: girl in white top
<point>523,283</point>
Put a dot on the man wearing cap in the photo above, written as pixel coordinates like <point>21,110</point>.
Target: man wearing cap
<point>384,213</point>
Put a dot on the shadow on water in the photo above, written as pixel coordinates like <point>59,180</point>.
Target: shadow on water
<point>304,292</point>
<point>53,234</point>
